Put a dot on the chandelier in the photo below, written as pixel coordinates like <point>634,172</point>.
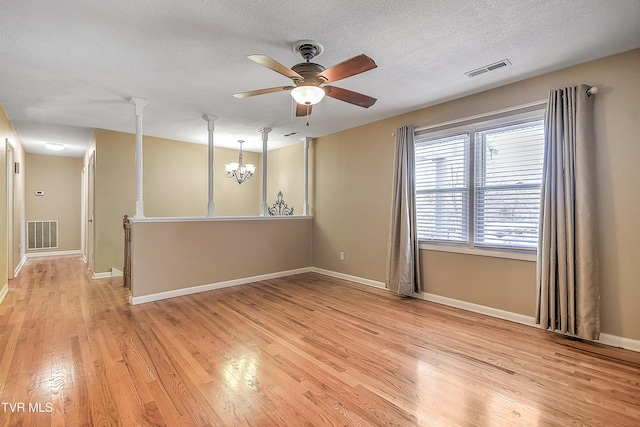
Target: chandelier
<point>240,171</point>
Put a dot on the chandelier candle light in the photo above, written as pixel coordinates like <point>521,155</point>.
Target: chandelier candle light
<point>240,171</point>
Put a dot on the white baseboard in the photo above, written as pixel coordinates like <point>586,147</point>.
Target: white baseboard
<point>611,340</point>
<point>622,342</point>
<point>52,253</point>
<point>481,309</point>
<point>209,287</point>
<point>3,292</point>
<point>103,275</point>
<point>349,277</point>
<point>107,274</point>
<point>20,265</point>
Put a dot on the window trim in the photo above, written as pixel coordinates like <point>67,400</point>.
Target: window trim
<point>472,125</point>
<point>522,255</point>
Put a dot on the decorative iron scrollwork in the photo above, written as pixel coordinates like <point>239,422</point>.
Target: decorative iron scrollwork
<point>126,224</point>
<point>280,208</point>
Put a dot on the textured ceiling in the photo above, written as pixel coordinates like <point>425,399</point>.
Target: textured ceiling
<point>68,66</point>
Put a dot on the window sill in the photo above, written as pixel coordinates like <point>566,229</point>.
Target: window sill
<point>495,253</point>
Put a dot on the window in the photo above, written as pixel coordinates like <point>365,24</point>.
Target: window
<point>479,185</point>
<point>442,188</point>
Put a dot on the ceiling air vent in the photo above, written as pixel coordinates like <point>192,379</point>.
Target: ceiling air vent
<point>487,68</point>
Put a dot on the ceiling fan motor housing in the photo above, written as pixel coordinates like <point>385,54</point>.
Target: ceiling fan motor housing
<point>309,71</point>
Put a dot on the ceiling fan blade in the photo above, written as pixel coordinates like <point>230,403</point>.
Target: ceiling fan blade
<point>349,96</point>
<point>303,110</point>
<point>350,67</point>
<point>262,91</point>
<point>274,65</point>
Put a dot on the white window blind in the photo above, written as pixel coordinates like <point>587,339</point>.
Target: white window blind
<point>478,184</point>
<point>508,176</point>
<point>442,187</point>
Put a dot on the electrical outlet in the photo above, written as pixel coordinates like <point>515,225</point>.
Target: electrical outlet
<point>341,256</point>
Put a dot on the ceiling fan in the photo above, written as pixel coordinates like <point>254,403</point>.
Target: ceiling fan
<point>310,79</point>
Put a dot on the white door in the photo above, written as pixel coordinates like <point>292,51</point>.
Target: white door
<point>90,212</point>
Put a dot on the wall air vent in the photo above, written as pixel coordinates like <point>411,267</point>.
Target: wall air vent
<point>42,234</point>
<point>487,68</point>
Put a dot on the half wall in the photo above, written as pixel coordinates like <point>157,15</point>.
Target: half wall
<point>179,256</point>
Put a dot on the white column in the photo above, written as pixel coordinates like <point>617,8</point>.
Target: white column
<point>140,104</point>
<point>305,206</point>
<point>210,127</point>
<point>265,137</point>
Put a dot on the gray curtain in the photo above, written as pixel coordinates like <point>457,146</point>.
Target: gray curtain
<point>404,267</point>
<point>567,268</point>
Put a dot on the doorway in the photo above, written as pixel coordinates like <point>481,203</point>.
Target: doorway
<point>10,209</point>
<point>90,210</point>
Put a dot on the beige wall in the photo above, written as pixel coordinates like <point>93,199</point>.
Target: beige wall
<point>286,173</point>
<point>466,278</point>
<point>6,132</point>
<point>10,256</point>
<point>61,180</point>
<point>115,195</point>
<point>175,184</point>
<point>352,200</point>
<point>175,255</point>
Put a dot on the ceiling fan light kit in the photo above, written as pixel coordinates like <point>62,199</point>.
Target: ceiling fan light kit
<point>311,79</point>
<point>307,95</point>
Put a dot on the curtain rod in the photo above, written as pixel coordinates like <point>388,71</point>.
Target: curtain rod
<point>591,91</point>
<point>484,115</point>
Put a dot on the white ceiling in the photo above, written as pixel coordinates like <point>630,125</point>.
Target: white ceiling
<point>68,66</point>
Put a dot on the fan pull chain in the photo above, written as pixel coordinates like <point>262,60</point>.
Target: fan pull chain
<point>308,114</point>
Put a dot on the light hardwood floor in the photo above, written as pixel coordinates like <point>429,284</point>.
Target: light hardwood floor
<point>307,350</point>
